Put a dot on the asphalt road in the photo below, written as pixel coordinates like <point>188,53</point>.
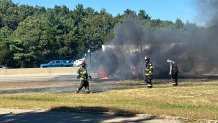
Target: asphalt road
<point>58,84</point>
<point>26,78</point>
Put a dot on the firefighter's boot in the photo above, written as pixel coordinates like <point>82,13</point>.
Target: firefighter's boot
<point>149,85</point>
<point>87,91</point>
<point>77,91</point>
<point>174,84</point>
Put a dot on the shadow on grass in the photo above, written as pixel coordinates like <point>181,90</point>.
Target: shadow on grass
<point>73,115</point>
<point>97,110</point>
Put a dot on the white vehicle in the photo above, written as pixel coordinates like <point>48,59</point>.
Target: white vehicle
<point>78,62</point>
<point>2,66</point>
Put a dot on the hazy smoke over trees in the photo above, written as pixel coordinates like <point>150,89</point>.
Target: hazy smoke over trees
<point>194,48</point>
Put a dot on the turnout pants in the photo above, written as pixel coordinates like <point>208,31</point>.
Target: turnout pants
<point>85,84</point>
<point>148,81</point>
<point>175,79</point>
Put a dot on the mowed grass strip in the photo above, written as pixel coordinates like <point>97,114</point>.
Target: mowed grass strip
<point>190,100</point>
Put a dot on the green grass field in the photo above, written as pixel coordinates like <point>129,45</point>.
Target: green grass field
<point>192,100</point>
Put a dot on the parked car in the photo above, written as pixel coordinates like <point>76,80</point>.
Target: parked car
<point>58,63</point>
<point>2,66</point>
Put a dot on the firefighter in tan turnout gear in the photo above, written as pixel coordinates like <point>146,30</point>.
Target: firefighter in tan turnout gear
<point>148,71</point>
<point>83,75</point>
<point>173,72</point>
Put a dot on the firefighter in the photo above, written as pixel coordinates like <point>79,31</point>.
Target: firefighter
<point>148,71</point>
<point>173,72</point>
<point>83,75</point>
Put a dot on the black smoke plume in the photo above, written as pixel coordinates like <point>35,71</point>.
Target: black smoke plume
<point>194,48</point>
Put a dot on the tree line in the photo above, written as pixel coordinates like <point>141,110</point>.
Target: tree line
<point>31,35</point>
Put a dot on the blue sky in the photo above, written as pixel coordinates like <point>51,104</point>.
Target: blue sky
<point>162,9</point>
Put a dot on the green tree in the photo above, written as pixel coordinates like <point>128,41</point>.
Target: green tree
<point>178,23</point>
<point>33,35</point>
<point>143,15</point>
<point>32,39</point>
<point>129,12</point>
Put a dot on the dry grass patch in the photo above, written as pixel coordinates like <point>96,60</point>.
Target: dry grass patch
<point>196,101</point>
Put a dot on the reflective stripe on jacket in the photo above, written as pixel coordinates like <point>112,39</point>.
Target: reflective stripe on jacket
<point>148,69</point>
<point>83,74</point>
